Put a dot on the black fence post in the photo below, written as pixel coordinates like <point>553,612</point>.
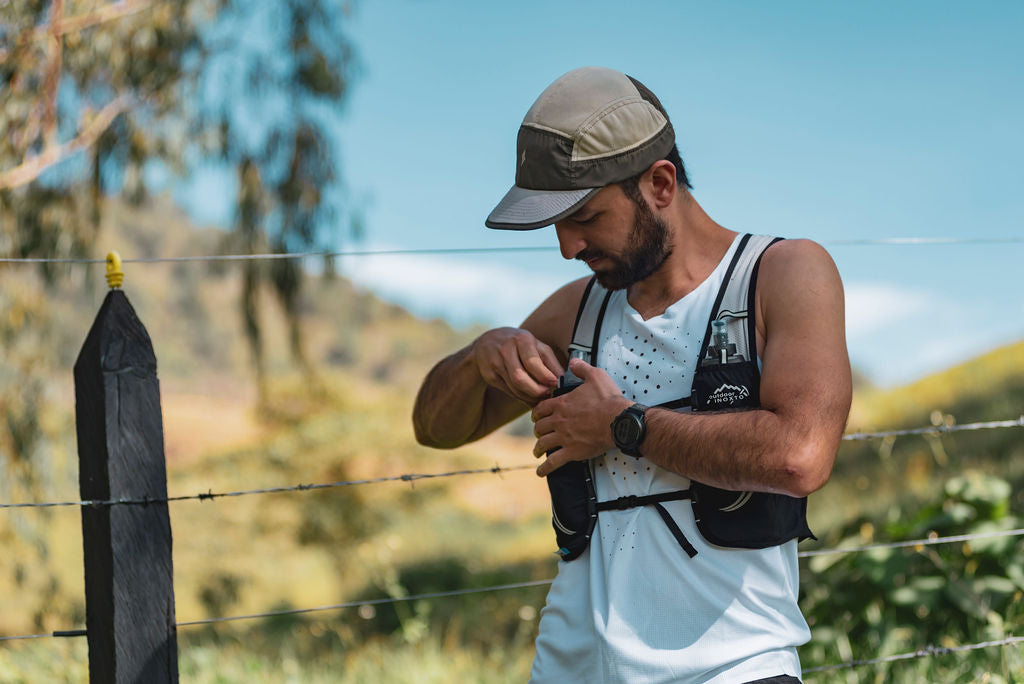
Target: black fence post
<point>129,579</point>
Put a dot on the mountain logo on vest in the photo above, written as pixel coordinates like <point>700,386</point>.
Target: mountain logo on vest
<point>728,394</point>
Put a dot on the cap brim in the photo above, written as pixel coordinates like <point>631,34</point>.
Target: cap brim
<point>522,209</point>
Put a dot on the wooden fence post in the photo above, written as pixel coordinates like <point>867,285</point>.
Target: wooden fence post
<point>129,579</point>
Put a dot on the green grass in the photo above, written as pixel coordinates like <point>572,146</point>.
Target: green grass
<point>381,662</point>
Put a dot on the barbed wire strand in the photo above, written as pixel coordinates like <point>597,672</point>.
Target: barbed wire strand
<point>920,653</point>
<point>371,602</point>
<point>537,583</point>
<point>930,541</point>
<point>412,477</point>
<point>336,606</point>
<point>926,241</point>
<point>284,255</point>
<point>25,636</point>
<point>210,495</point>
<point>906,241</point>
<point>55,633</point>
<point>937,429</point>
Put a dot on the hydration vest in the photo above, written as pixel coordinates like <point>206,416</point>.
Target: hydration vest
<point>726,377</point>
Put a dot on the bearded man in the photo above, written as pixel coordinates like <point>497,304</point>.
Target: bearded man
<point>686,399</point>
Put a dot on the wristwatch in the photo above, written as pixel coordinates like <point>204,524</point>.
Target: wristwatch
<point>629,430</point>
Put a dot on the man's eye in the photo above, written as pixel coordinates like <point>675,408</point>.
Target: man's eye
<point>587,221</point>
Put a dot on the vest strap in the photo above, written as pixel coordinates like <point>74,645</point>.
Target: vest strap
<point>675,404</point>
<point>676,532</point>
<point>734,304</point>
<point>632,501</point>
<point>586,330</point>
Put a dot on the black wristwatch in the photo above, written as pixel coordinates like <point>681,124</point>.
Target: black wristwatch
<point>629,430</point>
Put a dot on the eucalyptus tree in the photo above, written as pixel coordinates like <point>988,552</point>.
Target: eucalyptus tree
<point>275,77</point>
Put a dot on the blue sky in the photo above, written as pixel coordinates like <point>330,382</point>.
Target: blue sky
<point>831,121</point>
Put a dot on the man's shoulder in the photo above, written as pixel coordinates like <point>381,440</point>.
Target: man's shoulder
<point>795,261</point>
<point>794,251</point>
<point>797,273</point>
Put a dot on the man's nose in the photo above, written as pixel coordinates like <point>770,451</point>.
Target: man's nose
<point>570,240</point>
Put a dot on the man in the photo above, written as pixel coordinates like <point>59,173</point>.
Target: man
<point>684,567</point>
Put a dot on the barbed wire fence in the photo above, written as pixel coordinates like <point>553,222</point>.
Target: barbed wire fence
<point>916,544</point>
<point>209,495</point>
<point>920,653</point>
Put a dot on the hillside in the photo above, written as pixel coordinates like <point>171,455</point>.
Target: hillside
<point>987,388</point>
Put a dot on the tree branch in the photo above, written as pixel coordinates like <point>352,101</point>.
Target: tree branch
<point>31,168</point>
<point>115,10</point>
<point>52,79</point>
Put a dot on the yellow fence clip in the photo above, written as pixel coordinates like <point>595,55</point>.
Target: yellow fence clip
<point>115,276</point>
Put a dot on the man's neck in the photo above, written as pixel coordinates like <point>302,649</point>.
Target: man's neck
<point>698,246</point>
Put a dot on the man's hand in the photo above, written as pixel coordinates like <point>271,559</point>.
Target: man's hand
<point>578,423</point>
<point>517,363</point>
<point>500,375</point>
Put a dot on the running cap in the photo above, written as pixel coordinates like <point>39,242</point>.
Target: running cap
<point>590,128</point>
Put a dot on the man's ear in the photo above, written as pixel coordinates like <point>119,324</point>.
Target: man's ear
<point>662,186</point>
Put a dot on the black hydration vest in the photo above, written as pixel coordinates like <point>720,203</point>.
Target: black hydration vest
<point>726,377</point>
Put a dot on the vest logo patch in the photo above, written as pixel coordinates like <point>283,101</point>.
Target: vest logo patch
<point>728,394</point>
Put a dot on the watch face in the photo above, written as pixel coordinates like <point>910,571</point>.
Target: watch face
<point>627,430</point>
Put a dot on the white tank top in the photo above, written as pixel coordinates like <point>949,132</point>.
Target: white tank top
<point>634,607</point>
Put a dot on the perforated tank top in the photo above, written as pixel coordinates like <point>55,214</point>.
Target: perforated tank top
<point>634,607</point>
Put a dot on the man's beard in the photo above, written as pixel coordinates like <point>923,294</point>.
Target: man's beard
<point>646,250</point>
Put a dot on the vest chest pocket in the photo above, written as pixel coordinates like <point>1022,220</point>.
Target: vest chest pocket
<point>744,520</point>
<point>573,507</point>
<point>748,520</point>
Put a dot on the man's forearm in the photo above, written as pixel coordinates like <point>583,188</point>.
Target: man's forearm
<point>755,450</point>
<point>788,450</point>
<point>480,388</point>
<point>450,403</point>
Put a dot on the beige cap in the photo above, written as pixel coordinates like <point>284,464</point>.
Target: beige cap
<point>590,128</point>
